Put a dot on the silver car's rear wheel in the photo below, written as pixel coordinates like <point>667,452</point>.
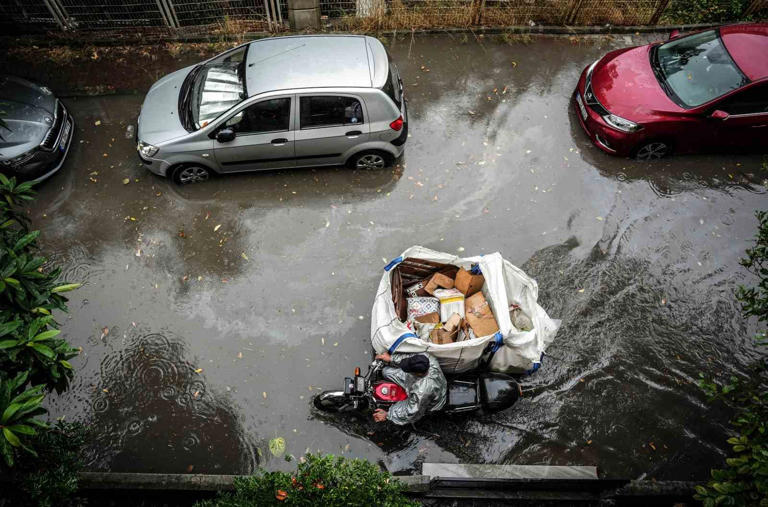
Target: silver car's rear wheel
<point>653,151</point>
<point>191,174</point>
<point>370,161</point>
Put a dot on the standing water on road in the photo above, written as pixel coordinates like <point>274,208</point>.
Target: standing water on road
<point>211,314</point>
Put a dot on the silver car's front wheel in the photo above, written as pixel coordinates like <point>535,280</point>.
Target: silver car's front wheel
<point>191,174</point>
<point>653,151</point>
<point>371,161</point>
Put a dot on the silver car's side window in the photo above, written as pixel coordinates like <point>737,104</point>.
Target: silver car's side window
<point>235,119</point>
<point>329,111</point>
<point>273,115</point>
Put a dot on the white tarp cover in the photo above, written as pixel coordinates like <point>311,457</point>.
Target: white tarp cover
<point>517,352</point>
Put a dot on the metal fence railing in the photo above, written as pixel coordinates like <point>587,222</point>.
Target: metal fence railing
<point>238,16</point>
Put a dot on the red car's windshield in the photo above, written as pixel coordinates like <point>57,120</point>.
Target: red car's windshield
<point>696,69</point>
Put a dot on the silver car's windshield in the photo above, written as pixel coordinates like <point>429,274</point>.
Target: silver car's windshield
<point>697,69</point>
<point>219,85</point>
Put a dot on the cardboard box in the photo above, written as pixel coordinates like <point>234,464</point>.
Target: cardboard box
<point>468,283</point>
<point>442,336</point>
<point>451,301</point>
<point>453,322</point>
<point>422,306</point>
<point>480,316</point>
<point>416,290</point>
<point>430,318</point>
<point>436,281</point>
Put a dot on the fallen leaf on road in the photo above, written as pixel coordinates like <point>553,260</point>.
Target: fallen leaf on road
<point>217,228</point>
<point>97,122</point>
<point>277,446</point>
<point>199,370</point>
<point>126,181</point>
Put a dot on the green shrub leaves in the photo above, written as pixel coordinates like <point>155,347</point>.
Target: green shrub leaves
<point>745,479</point>
<point>33,355</point>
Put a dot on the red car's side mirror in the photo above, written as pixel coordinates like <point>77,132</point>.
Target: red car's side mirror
<point>674,34</point>
<point>719,115</point>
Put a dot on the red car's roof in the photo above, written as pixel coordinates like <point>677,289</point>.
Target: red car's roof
<point>748,46</point>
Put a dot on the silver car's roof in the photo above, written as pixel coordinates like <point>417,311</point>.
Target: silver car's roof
<point>315,61</point>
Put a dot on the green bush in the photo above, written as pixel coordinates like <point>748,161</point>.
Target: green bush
<point>28,294</point>
<point>18,410</point>
<point>39,463</point>
<point>318,480</point>
<point>33,358</point>
<point>50,478</point>
<point>704,11</point>
<point>744,480</point>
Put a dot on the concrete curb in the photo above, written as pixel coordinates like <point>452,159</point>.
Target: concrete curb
<point>419,486</point>
<point>192,482</point>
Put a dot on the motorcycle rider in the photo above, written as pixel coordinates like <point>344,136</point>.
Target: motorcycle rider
<point>421,377</point>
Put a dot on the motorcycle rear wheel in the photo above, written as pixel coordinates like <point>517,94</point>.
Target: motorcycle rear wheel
<point>334,402</point>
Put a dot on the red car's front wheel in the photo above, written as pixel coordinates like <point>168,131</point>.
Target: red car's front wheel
<point>653,150</point>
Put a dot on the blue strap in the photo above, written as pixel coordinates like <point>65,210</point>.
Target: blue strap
<point>499,341</point>
<point>400,340</point>
<point>475,269</point>
<point>536,365</point>
<point>394,262</point>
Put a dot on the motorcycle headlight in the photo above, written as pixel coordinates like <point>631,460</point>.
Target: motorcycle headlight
<point>620,123</point>
<point>147,149</point>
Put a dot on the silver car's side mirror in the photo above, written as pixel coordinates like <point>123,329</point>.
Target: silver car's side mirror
<point>225,135</point>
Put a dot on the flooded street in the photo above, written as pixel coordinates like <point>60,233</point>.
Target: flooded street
<point>211,314</point>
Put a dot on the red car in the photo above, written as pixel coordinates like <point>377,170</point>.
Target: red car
<point>701,92</point>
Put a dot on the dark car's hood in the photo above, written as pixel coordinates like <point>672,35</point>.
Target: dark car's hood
<point>625,85</point>
<point>28,113</point>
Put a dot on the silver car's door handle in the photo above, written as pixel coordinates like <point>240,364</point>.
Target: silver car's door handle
<point>279,141</point>
<point>353,133</point>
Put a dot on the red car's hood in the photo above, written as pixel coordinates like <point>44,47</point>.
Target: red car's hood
<point>625,85</point>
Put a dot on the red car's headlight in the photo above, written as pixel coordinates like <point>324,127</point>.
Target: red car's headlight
<point>620,123</point>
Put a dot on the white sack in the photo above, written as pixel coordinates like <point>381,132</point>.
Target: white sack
<point>505,284</point>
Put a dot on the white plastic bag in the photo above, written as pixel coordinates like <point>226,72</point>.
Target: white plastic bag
<point>516,351</point>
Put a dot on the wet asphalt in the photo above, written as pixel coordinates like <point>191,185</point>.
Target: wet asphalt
<point>211,314</point>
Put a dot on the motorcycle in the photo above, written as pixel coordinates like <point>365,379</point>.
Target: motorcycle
<point>489,391</point>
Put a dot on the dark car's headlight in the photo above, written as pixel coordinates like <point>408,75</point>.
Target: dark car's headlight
<point>620,123</point>
<point>19,161</point>
<point>147,149</point>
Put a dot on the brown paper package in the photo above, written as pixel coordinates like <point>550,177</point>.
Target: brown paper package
<point>478,313</point>
<point>468,283</point>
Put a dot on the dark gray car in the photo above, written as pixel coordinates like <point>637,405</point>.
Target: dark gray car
<point>35,132</point>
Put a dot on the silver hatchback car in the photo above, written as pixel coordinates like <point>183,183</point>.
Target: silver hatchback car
<point>276,103</point>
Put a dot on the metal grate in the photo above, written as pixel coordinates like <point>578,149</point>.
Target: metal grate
<point>24,16</point>
<point>616,12</point>
<point>96,14</point>
<point>391,14</point>
<point>238,16</point>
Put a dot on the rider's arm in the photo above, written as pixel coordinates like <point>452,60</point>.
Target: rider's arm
<point>397,357</point>
<point>407,411</point>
